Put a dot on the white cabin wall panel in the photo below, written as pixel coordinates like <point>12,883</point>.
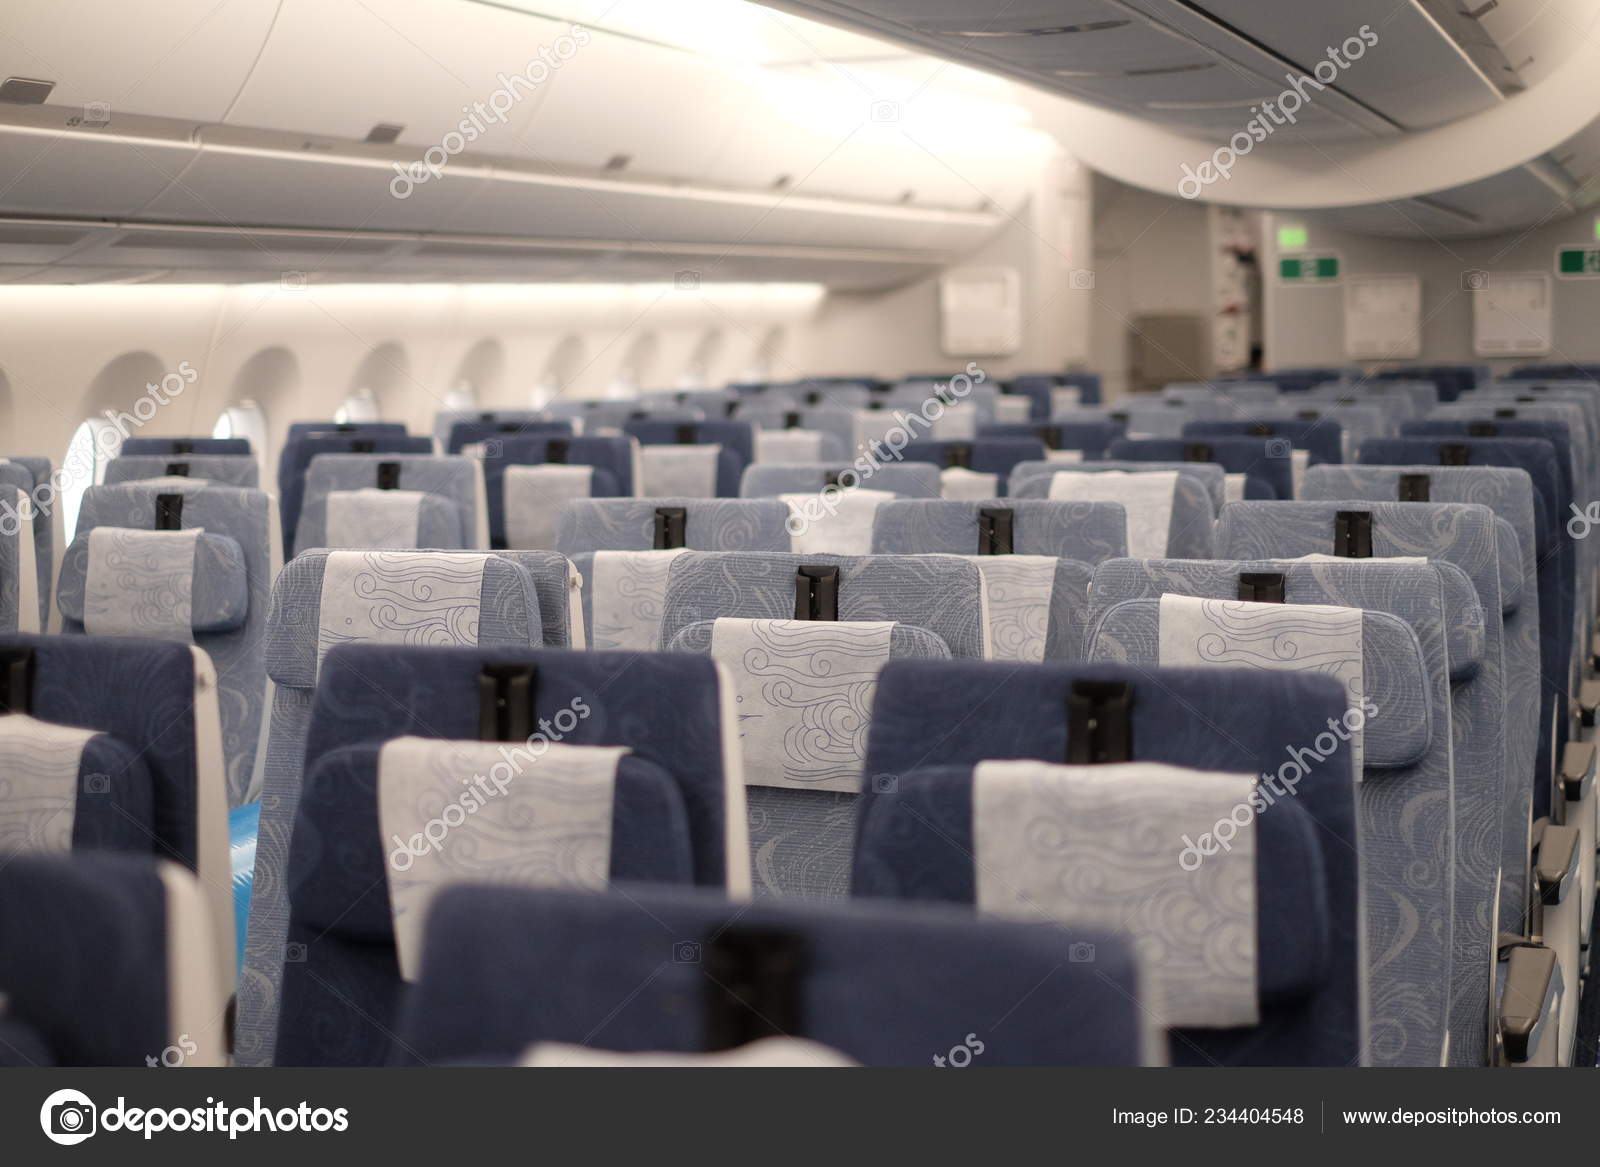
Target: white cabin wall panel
<point>188,61</point>
<point>336,68</point>
<point>1306,324</point>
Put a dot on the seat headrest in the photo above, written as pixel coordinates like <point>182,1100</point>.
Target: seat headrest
<point>414,597</point>
<point>1393,668</point>
<point>221,589</point>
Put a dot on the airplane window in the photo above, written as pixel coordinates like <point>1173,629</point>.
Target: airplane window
<point>244,420</point>
<point>362,405</point>
<point>93,444</point>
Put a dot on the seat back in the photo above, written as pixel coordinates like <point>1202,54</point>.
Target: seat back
<point>1036,558</point>
<point>933,723</point>
<point>455,431</point>
<point>728,446</point>
<point>152,706</point>
<point>1463,539</point>
<point>1510,494</point>
<point>35,480</point>
<point>298,452</point>
<point>904,479</point>
<point>796,672</point>
<point>183,447</point>
<point>985,463</point>
<point>704,524</point>
<point>123,974</point>
<point>850,993</point>
<point>118,584</point>
<point>1321,438</point>
<point>322,599</point>
<point>1266,463</point>
<point>610,459</point>
<point>1397,616</point>
<point>223,469</point>
<point>619,782</point>
<point>1064,440</point>
<point>406,501</point>
<point>1169,509</point>
<point>21,609</point>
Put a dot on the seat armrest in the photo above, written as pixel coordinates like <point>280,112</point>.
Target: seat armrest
<point>1527,1005</point>
<point>1588,702</point>
<point>1555,862</point>
<point>1577,770</point>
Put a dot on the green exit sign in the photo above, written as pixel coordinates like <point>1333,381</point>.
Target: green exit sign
<point>1578,263</point>
<point>1295,238</point>
<point>1309,269</point>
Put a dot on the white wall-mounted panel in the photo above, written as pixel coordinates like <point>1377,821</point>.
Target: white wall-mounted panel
<point>185,59</point>
<point>337,68</point>
<point>667,111</point>
<point>1512,314</point>
<point>1383,317</point>
<point>980,311</point>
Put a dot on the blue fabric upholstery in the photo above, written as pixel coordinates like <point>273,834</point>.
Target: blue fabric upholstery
<point>31,477</point>
<point>918,845</point>
<point>939,594</point>
<point>905,479</point>
<point>182,447</point>
<point>710,524</point>
<point>1405,805</point>
<point>956,715</point>
<point>230,621</point>
<point>91,987</point>
<point>1554,561</point>
<point>737,439</point>
<point>1265,462</point>
<point>1322,438</point>
<point>223,469</point>
<point>342,996</point>
<point>299,451</point>
<point>139,695</point>
<point>611,458</point>
<point>510,616</point>
<point>499,426</point>
<point>1510,494</point>
<point>1463,535</point>
<point>857,993</point>
<point>1090,438</point>
<point>984,456</point>
<point>837,425</point>
<point>452,479</point>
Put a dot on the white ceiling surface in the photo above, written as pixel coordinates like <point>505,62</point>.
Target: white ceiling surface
<point>706,134</point>
<point>1484,108</point>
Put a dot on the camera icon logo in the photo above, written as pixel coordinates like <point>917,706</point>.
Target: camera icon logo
<point>686,952</point>
<point>68,1117</point>
<point>493,448</point>
<point>293,281</point>
<point>97,783</point>
<point>686,281</point>
<point>294,952</point>
<point>97,113</point>
<point>1474,280</point>
<point>1081,279</point>
<point>885,784</point>
<point>886,111</point>
<point>1278,448</point>
<point>1081,953</point>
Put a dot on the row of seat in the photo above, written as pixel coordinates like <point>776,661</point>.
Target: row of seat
<point>870,731</point>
